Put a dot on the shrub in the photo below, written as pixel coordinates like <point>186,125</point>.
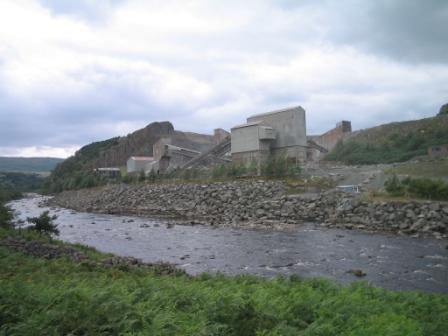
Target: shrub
<point>280,167</point>
<point>141,176</point>
<point>394,186</point>
<point>219,171</point>
<point>152,176</point>
<point>5,217</point>
<point>417,187</point>
<point>44,223</point>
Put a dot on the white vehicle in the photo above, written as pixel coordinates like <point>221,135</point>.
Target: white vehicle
<point>349,188</point>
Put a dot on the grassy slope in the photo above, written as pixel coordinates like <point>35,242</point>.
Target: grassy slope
<point>430,169</point>
<point>395,142</point>
<point>59,297</point>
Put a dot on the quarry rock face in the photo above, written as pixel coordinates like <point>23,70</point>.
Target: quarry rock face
<point>141,142</point>
<point>138,143</point>
<point>259,204</point>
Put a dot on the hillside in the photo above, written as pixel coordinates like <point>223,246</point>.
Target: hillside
<point>394,142</point>
<point>20,182</point>
<point>76,171</point>
<point>29,165</point>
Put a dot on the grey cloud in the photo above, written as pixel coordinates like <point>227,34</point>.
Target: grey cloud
<point>75,120</point>
<point>404,30</point>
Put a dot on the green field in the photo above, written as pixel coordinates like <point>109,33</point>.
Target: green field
<point>430,169</point>
<point>62,297</point>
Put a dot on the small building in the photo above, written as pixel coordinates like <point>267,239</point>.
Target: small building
<point>138,163</point>
<point>108,171</point>
<point>438,151</point>
<point>280,133</point>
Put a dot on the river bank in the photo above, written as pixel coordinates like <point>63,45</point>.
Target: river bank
<point>260,204</point>
<point>76,291</point>
<point>387,260</point>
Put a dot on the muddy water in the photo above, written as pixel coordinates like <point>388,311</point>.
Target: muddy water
<point>389,261</point>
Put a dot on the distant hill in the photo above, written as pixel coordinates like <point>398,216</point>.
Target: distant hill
<point>76,171</point>
<point>20,181</point>
<point>394,142</point>
<point>28,165</point>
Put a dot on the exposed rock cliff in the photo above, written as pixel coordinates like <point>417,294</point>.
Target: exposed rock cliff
<point>115,152</point>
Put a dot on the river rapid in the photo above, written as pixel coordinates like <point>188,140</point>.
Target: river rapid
<point>389,261</point>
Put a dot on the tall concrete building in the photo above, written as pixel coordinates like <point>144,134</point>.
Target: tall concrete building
<point>279,133</point>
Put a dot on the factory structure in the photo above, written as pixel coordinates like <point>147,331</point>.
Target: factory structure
<point>279,133</point>
<point>276,134</point>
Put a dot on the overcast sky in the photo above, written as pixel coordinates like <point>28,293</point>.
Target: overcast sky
<point>77,71</point>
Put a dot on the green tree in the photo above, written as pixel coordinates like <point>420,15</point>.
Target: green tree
<point>5,217</point>
<point>443,110</point>
<point>141,176</point>
<point>44,223</point>
<point>218,171</point>
<point>152,176</point>
<point>394,186</point>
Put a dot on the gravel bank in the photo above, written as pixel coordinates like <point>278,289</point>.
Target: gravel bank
<point>259,204</point>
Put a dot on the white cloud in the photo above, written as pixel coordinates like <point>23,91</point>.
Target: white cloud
<point>73,79</point>
<point>39,151</point>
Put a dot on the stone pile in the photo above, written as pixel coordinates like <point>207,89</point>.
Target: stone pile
<point>260,204</point>
<point>41,249</point>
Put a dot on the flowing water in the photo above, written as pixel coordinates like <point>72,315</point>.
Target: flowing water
<point>389,261</point>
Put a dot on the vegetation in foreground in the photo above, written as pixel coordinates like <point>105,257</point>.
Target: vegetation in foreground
<point>6,195</point>
<point>61,297</point>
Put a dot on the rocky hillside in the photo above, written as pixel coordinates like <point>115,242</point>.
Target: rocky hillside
<point>115,152</point>
<point>259,204</point>
<point>394,142</point>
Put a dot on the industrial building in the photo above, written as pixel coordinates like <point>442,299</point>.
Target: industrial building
<point>183,150</point>
<point>138,163</point>
<point>280,133</point>
<point>275,134</point>
<point>168,156</point>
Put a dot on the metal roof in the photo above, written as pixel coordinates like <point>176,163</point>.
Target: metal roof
<point>255,123</point>
<point>142,158</point>
<point>276,111</point>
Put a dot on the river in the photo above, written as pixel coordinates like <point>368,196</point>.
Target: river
<point>389,261</point>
